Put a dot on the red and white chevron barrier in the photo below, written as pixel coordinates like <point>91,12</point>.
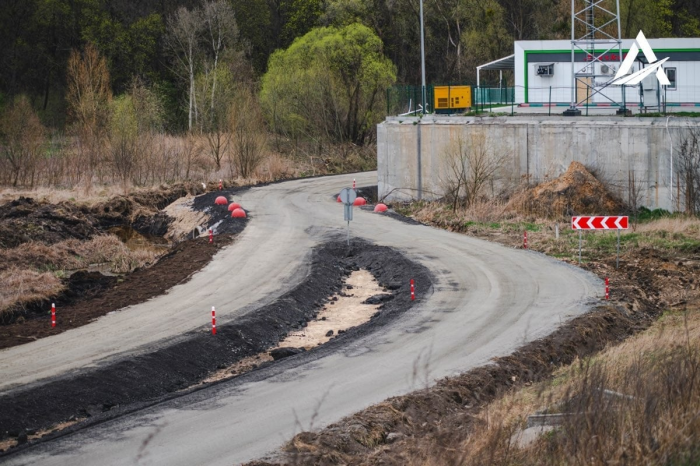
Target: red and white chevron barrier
<point>600,223</point>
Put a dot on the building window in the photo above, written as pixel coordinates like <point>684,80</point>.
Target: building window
<point>671,74</point>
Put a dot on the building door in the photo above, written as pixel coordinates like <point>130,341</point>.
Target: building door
<point>583,91</point>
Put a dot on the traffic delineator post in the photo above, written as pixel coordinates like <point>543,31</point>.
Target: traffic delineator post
<point>353,184</point>
<point>53,315</point>
<point>213,321</point>
<point>221,185</point>
<point>607,288</point>
<point>211,236</point>
<point>525,239</point>
<point>413,290</point>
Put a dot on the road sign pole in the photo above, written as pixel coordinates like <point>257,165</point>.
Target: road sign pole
<point>347,197</point>
<point>617,264</point>
<point>580,239</point>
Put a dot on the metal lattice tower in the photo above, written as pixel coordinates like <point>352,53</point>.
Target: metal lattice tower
<point>596,40</point>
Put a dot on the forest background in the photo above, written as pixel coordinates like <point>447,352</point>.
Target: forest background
<point>96,92</point>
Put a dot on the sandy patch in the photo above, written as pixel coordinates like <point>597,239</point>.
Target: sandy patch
<point>186,219</point>
<point>345,312</point>
<point>6,444</point>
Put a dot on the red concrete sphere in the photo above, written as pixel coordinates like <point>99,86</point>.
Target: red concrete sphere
<point>238,213</point>
<point>380,208</point>
<point>233,206</point>
<point>221,200</point>
<point>359,201</point>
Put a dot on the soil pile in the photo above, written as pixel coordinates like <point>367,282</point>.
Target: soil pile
<point>26,219</point>
<point>576,192</point>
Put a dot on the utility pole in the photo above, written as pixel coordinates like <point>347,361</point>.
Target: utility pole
<point>422,57</point>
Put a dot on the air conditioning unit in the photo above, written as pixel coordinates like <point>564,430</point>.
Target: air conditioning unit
<point>607,69</point>
<point>545,71</point>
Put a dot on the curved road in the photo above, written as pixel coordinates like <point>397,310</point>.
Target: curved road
<point>487,300</point>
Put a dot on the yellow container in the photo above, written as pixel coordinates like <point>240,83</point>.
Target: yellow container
<point>450,98</point>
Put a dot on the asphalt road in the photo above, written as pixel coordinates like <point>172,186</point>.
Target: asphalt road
<point>487,300</point>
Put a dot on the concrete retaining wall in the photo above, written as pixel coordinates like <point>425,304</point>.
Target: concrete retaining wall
<point>537,148</point>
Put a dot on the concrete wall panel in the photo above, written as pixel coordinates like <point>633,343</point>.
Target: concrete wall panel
<point>540,148</point>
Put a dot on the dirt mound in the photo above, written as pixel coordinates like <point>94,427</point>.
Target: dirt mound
<point>26,219</point>
<point>576,192</point>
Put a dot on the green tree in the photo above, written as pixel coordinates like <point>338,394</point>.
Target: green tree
<point>131,48</point>
<point>213,119</point>
<point>485,34</point>
<point>329,83</point>
<point>651,16</point>
<point>135,117</point>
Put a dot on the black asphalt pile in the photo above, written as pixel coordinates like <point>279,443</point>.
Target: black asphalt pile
<point>123,386</point>
<point>370,193</point>
<point>219,215</point>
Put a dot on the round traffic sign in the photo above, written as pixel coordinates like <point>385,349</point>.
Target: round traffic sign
<point>348,196</point>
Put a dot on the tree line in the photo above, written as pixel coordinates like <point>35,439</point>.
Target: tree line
<point>104,77</point>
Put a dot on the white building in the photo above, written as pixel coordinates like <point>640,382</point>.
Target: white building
<point>543,72</point>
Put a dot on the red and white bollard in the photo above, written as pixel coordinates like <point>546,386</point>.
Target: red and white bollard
<point>53,315</point>
<point>413,290</point>
<point>525,239</point>
<point>221,185</point>
<point>353,183</point>
<point>213,321</point>
<point>211,236</point>
<point>607,288</point>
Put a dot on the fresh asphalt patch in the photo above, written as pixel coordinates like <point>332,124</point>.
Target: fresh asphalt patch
<point>121,386</point>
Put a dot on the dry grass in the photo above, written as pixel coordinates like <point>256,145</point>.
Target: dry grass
<point>75,254</point>
<point>657,421</point>
<point>689,226</point>
<point>55,196</point>
<point>32,271</point>
<point>18,286</point>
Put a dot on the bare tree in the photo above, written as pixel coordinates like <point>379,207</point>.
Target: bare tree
<point>221,32</point>
<point>23,137</point>
<point>183,40</point>
<point>88,99</point>
<point>247,133</point>
<point>689,169</point>
<point>472,165</point>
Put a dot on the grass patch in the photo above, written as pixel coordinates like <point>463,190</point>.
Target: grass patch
<point>648,381</point>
